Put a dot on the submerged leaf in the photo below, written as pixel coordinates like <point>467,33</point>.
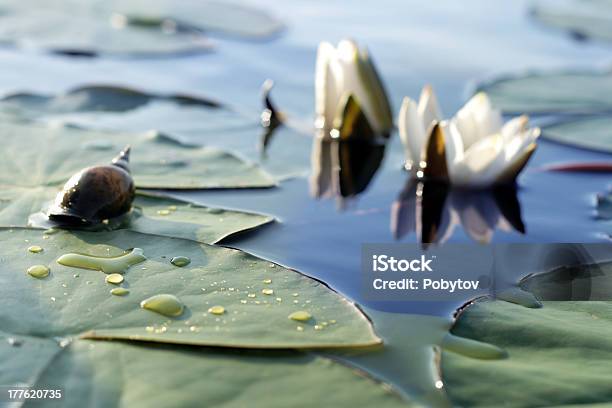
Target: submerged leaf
<point>157,160</point>
<point>131,375</point>
<point>77,302</point>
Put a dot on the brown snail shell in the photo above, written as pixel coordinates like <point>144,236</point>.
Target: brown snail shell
<point>95,194</point>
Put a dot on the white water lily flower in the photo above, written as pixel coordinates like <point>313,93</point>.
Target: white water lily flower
<point>474,149</point>
<point>348,88</point>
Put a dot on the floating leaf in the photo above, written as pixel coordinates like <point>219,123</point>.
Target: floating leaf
<point>128,375</point>
<point>561,93</point>
<point>547,347</point>
<point>190,221</point>
<point>591,133</point>
<point>552,92</point>
<point>557,355</point>
<point>151,214</point>
<point>94,98</point>
<point>129,26</point>
<point>581,18</point>
<point>77,302</point>
<point>157,160</point>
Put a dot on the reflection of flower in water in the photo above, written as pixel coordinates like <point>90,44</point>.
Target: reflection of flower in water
<point>433,210</point>
<point>343,169</point>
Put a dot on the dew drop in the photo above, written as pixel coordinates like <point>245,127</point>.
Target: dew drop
<point>35,249</point>
<point>243,301</point>
<point>300,316</point>
<point>251,295</point>
<point>163,212</point>
<point>116,264</point>
<point>267,291</point>
<point>119,291</point>
<point>300,328</point>
<point>167,305</point>
<point>217,310</point>
<point>180,261</point>
<point>12,341</point>
<point>267,281</point>
<point>114,278</point>
<point>172,208</point>
<point>38,271</point>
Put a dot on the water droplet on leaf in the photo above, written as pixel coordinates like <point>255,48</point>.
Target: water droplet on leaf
<point>167,305</point>
<point>38,271</point>
<point>114,278</point>
<point>116,264</point>
<point>300,316</point>
<point>180,261</point>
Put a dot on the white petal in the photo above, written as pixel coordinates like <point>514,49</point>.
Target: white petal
<point>326,83</point>
<point>477,120</point>
<point>429,110</point>
<point>454,144</point>
<point>348,55</point>
<point>515,126</point>
<point>482,163</point>
<point>519,143</point>
<point>411,130</point>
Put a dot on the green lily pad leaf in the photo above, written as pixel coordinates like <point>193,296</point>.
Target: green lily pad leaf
<point>581,18</point>
<point>590,132</point>
<point>552,92</point>
<point>131,27</point>
<point>157,160</point>
<point>152,214</point>
<point>131,375</point>
<point>175,218</point>
<point>558,355</point>
<point>98,98</point>
<point>604,206</point>
<point>256,297</point>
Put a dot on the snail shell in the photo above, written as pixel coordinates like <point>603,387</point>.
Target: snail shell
<point>96,193</point>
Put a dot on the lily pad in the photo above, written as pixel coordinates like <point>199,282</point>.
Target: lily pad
<point>581,18</point>
<point>152,214</point>
<point>558,355</point>
<point>176,218</point>
<point>127,27</point>
<point>552,92</point>
<point>96,98</point>
<point>590,132</point>
<point>157,161</point>
<point>581,103</point>
<point>256,296</point>
<point>132,375</point>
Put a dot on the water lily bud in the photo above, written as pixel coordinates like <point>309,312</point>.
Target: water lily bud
<point>346,75</point>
